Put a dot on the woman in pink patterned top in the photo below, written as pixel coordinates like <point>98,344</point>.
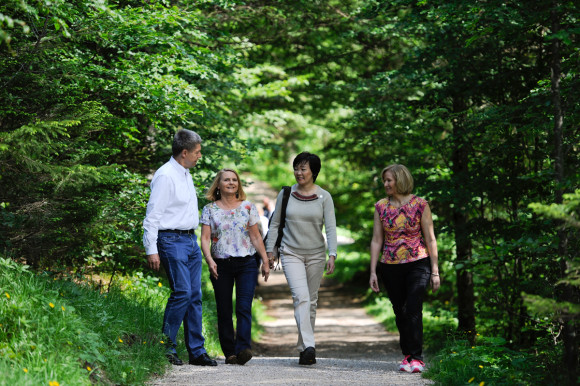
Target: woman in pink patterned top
<point>404,255</point>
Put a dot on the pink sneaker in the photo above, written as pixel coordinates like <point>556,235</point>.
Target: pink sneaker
<point>417,366</point>
<point>405,366</point>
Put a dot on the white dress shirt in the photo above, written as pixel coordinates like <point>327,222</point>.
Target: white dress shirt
<point>172,204</point>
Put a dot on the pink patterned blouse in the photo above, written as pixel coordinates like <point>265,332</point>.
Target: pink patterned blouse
<point>404,241</point>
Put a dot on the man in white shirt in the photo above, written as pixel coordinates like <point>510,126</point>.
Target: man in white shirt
<point>169,239</point>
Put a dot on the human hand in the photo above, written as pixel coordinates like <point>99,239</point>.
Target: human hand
<point>212,267</point>
<point>271,260</point>
<point>435,282</point>
<point>153,261</point>
<point>374,283</point>
<point>265,271</point>
<point>330,265</point>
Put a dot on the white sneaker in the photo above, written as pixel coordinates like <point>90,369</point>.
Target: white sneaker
<point>405,365</point>
<point>417,366</point>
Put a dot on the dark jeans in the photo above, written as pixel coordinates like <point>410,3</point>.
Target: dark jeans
<point>406,285</point>
<point>181,258</point>
<point>240,271</point>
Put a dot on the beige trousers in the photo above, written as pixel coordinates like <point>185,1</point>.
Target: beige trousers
<point>304,274</point>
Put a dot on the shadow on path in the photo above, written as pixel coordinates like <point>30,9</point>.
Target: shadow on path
<point>343,329</point>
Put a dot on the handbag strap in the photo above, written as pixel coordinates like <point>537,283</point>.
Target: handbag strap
<point>285,198</point>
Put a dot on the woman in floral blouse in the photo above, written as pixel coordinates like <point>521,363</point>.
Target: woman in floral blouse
<point>404,256</point>
<point>230,224</point>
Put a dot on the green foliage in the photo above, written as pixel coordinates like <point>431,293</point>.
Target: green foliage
<point>490,361</point>
<point>93,92</point>
<point>460,92</point>
<point>567,211</point>
<point>52,329</point>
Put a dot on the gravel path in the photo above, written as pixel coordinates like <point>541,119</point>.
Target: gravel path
<point>351,349</point>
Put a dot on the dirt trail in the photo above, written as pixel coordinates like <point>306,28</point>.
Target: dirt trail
<point>351,347</point>
<point>343,329</point>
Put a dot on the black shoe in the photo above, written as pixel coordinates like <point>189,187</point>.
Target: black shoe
<point>232,360</point>
<point>203,360</point>
<point>244,356</point>
<point>174,359</point>
<point>308,356</point>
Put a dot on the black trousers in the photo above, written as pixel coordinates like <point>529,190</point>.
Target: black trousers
<point>240,271</point>
<point>406,285</point>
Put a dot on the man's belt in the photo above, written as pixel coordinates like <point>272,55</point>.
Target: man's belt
<point>181,231</point>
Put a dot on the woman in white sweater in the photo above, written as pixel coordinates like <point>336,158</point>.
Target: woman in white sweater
<point>303,249</point>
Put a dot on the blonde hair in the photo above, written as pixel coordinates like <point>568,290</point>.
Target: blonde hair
<point>403,178</point>
<point>213,193</point>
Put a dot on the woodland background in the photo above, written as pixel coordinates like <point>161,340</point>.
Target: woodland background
<point>478,98</point>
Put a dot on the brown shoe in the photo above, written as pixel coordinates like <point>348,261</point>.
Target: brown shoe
<point>232,360</point>
<point>244,356</point>
<point>174,359</point>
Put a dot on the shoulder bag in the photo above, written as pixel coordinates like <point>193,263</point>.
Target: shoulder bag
<point>285,197</point>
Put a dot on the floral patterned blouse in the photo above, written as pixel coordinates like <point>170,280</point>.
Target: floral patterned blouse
<point>404,241</point>
<point>230,236</point>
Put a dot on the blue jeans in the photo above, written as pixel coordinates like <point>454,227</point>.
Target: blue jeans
<point>240,271</point>
<point>406,285</point>
<point>181,257</point>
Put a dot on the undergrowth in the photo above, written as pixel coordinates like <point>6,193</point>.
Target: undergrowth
<point>54,330</point>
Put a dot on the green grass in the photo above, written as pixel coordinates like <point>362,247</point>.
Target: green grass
<point>56,331</point>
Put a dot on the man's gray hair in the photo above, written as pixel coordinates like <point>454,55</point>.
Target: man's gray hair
<point>185,140</point>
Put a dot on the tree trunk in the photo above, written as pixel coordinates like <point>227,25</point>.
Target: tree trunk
<point>460,168</point>
<point>568,331</point>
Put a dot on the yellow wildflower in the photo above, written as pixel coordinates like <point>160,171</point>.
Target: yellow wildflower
<point>62,307</point>
<point>7,295</point>
<point>89,368</point>
<point>471,380</point>
<point>25,370</point>
<point>481,366</point>
<point>51,305</point>
<point>162,342</point>
<point>160,285</point>
<point>53,383</point>
<point>120,340</point>
<point>481,383</point>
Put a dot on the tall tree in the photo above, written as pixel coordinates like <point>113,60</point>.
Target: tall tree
<point>92,93</point>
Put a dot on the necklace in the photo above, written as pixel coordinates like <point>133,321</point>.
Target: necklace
<point>227,206</point>
<point>309,192</point>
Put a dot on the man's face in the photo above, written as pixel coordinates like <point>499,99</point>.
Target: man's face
<point>190,157</point>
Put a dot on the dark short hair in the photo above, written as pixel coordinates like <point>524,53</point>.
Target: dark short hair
<point>308,158</point>
<point>184,140</point>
